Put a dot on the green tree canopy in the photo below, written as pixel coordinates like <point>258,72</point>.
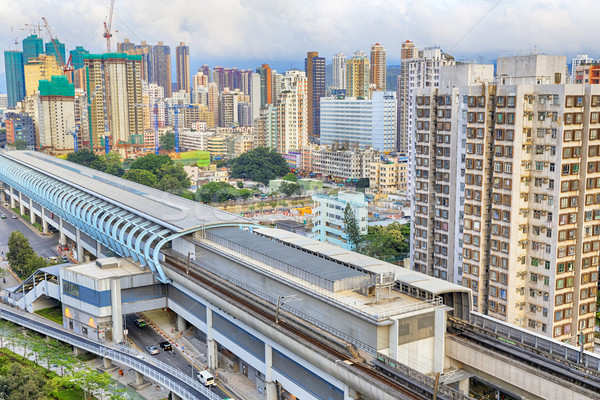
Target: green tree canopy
<point>20,144</point>
<point>362,184</point>
<point>151,162</point>
<point>351,227</point>
<point>218,192</point>
<point>174,171</point>
<point>290,177</point>
<point>141,176</point>
<point>290,189</point>
<point>167,141</point>
<point>388,243</point>
<point>87,158</point>
<point>19,253</point>
<point>260,165</point>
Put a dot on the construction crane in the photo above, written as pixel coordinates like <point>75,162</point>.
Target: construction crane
<point>15,36</point>
<point>176,108</point>
<point>107,35</point>
<point>34,29</point>
<point>54,40</point>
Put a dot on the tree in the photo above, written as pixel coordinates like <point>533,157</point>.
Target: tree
<point>174,171</point>
<point>216,192</point>
<point>388,243</point>
<point>19,253</point>
<point>240,184</point>
<point>87,158</point>
<point>141,176</point>
<point>20,144</point>
<point>260,165</point>
<point>351,227</point>
<point>151,162</point>
<point>169,184</point>
<point>290,189</point>
<point>290,177</point>
<point>167,141</point>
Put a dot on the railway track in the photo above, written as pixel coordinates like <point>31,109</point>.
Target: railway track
<point>362,367</point>
<point>570,372</point>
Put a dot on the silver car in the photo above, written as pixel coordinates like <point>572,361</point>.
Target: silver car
<point>152,350</point>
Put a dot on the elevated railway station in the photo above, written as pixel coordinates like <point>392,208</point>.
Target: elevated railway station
<point>303,318</point>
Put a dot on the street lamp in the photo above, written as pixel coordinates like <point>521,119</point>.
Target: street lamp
<point>281,300</point>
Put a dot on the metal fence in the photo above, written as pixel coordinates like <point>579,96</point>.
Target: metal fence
<point>544,344</point>
<point>158,371</point>
<point>416,376</point>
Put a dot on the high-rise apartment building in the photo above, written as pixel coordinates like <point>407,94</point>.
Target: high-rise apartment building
<point>77,57</point>
<point>115,82</point>
<point>145,51</point>
<point>580,59</point>
<point>357,75</point>
<point>528,147</point>
<point>15,77</point>
<point>33,46</point>
<point>183,67</point>
<point>266,85</point>
<point>255,95</point>
<point>38,68</point>
<point>314,67</point>
<point>51,51</point>
<point>354,123</point>
<point>57,114</point>
<point>162,67</point>
<point>20,127</point>
<point>292,112</point>
<point>409,51</point>
<point>378,67</point>
<point>329,214</point>
<point>587,73</point>
<point>339,71</point>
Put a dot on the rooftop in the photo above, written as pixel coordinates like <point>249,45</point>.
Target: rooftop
<point>168,210</point>
<point>92,270</point>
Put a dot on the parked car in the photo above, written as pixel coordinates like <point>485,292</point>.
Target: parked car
<point>3,216</point>
<point>166,346</point>
<point>152,350</point>
<point>140,323</point>
<point>14,216</point>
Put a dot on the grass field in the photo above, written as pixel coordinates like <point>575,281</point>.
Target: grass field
<point>52,313</point>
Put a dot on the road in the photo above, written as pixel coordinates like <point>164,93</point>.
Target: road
<point>142,337</point>
<point>44,245</point>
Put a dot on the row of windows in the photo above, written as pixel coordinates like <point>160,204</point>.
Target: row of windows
<point>592,198</point>
<point>497,307</point>
<point>497,292</point>
<point>505,134</point>
<point>567,313</point>
<point>573,118</point>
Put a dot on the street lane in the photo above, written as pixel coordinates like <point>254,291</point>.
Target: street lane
<point>43,245</point>
<point>147,336</point>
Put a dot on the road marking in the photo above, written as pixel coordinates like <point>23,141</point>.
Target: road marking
<point>134,345</point>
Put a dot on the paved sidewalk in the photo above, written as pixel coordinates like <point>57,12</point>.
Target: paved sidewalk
<point>239,386</point>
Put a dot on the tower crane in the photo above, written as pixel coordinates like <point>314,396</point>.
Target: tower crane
<point>107,35</point>
<point>15,36</point>
<point>54,40</point>
<point>176,108</point>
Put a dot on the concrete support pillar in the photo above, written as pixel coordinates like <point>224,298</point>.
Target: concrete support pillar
<point>270,385</point>
<point>12,197</point>
<point>463,386</point>
<point>3,195</point>
<point>139,378</point>
<point>394,340</point>
<point>351,394</point>
<point>63,238</point>
<point>211,345</point>
<point>175,396</point>
<point>44,222</point>
<point>439,343</point>
<point>181,323</point>
<point>77,351</point>
<point>107,363</point>
<point>79,246</point>
<point>21,206</point>
<point>116,309</point>
<point>98,250</point>
<point>31,213</point>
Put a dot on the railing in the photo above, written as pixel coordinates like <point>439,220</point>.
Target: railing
<point>158,371</point>
<point>541,343</point>
<point>335,332</point>
<point>416,376</point>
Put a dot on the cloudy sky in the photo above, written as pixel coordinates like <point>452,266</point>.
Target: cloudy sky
<point>246,33</point>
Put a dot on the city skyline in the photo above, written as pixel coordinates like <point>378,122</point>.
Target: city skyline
<point>264,32</point>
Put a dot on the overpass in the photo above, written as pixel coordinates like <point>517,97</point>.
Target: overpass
<point>232,284</point>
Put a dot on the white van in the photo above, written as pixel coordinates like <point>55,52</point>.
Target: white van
<point>206,378</point>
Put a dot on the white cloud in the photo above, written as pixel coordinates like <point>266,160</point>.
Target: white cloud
<point>273,30</point>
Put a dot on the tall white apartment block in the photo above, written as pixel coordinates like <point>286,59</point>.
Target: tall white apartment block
<point>292,112</point>
<point>355,123</point>
<point>339,71</point>
<point>420,72</point>
<point>529,164</point>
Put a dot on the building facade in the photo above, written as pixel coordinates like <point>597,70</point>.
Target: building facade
<point>314,67</point>
<point>57,114</point>
<point>328,216</point>
<point>357,75</point>
<point>183,67</point>
<point>378,67</point>
<point>292,112</point>
<point>161,63</point>
<point>15,77</point>
<point>38,68</point>
<point>339,71</point>
<point>354,123</point>
<point>20,127</point>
